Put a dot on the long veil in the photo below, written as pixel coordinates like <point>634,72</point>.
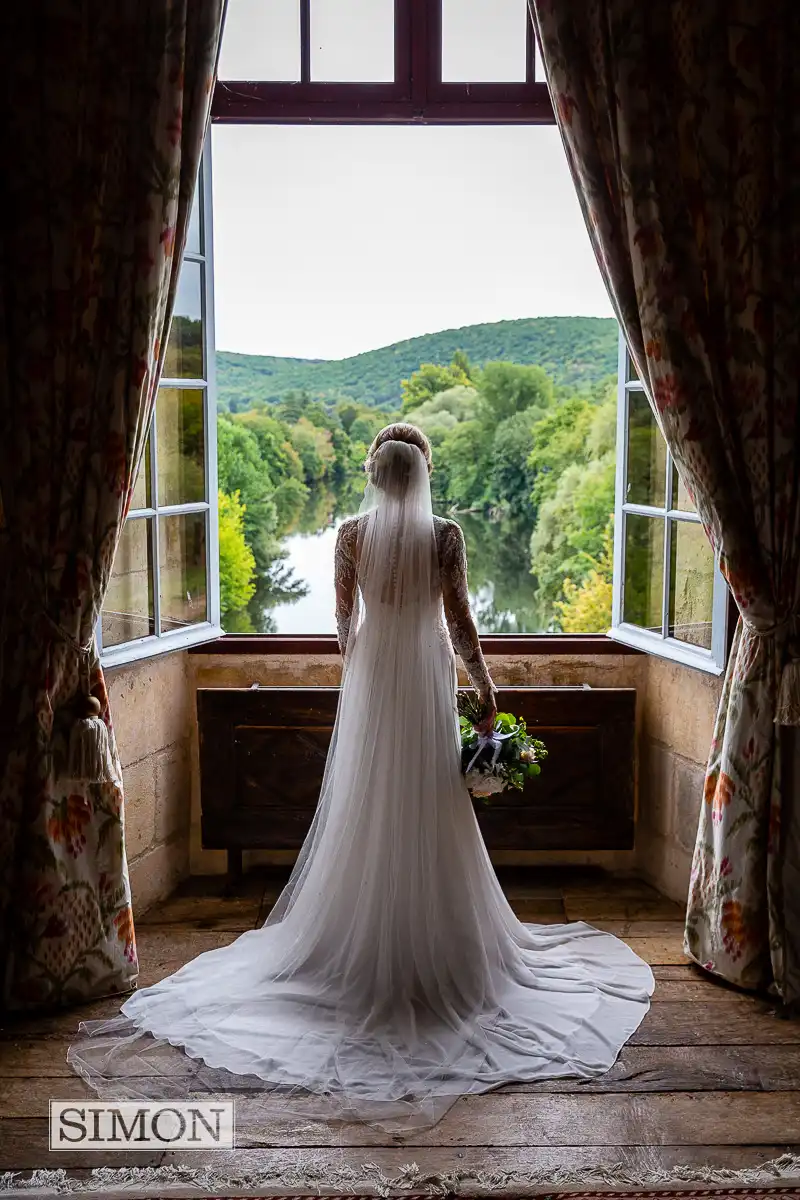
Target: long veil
<point>379,730</point>
<point>392,975</point>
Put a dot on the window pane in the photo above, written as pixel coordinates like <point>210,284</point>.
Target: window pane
<point>691,590</point>
<point>182,570</point>
<point>184,357</point>
<point>643,594</point>
<point>180,441</point>
<point>128,609</point>
<point>261,40</point>
<point>484,41</point>
<point>680,496</point>
<point>647,455</point>
<point>352,41</point>
<point>632,374</point>
<point>141,489</point>
<point>193,242</point>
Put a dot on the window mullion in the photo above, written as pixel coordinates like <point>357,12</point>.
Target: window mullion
<point>177,510</point>
<point>305,42</point>
<point>643,510</point>
<point>665,587</point>
<point>668,530</point>
<point>213,609</point>
<point>620,489</point>
<point>156,551</point>
<point>154,530</point>
<point>678,514</point>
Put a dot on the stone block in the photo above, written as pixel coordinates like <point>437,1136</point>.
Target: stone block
<point>679,707</point>
<point>664,864</point>
<point>156,874</point>
<point>688,800</point>
<point>139,786</point>
<point>656,785</point>
<point>151,705</point>
<point>173,791</point>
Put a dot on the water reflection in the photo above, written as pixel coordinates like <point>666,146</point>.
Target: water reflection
<point>298,598</point>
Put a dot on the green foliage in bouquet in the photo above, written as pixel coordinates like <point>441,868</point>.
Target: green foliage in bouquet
<point>506,760</point>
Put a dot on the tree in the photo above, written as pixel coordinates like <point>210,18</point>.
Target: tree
<point>293,405</point>
<point>569,534</point>
<point>431,379</point>
<point>511,476</point>
<point>559,443</point>
<point>314,448</point>
<point>348,410</point>
<point>365,426</point>
<point>237,564</point>
<point>508,388</point>
<point>586,607</point>
<point>243,469</point>
<point>279,459</point>
<point>466,453</point>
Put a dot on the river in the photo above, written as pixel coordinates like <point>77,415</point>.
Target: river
<point>502,590</point>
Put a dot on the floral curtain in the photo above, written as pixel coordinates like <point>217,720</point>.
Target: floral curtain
<point>103,119</point>
<point>681,124</point>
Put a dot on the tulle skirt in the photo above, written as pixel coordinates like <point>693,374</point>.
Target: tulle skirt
<point>392,976</point>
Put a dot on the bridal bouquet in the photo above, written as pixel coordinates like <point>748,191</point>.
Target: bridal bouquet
<point>504,758</point>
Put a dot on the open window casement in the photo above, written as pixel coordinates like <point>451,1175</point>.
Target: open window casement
<point>669,596</point>
<point>164,589</point>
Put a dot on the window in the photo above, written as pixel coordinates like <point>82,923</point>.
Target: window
<point>337,314</point>
<point>420,256</point>
<point>164,591</point>
<point>669,597</point>
<point>295,416</point>
<point>410,62</point>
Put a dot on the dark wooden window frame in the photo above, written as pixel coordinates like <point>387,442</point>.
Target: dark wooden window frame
<point>418,96</point>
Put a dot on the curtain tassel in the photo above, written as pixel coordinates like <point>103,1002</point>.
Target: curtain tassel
<point>89,757</point>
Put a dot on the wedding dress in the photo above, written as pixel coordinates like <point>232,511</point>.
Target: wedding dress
<point>392,976</point>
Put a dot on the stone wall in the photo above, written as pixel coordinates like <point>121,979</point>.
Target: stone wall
<point>677,710</point>
<point>154,719</point>
<point>153,705</point>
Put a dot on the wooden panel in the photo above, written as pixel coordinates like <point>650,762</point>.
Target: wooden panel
<point>525,1120</point>
<point>263,751</point>
<point>737,1023</point>
<point>24,1145</point>
<point>638,1069</point>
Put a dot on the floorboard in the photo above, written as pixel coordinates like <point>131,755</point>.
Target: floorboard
<point>711,1077</point>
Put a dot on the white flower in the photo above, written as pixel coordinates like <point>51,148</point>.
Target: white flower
<point>481,784</point>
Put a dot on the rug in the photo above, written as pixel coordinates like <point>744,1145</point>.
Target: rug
<point>720,1193</point>
<point>286,1178</point>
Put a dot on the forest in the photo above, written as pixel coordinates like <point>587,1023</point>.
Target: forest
<point>524,460</point>
<point>575,352</point>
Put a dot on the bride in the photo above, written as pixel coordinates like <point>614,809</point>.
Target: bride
<point>392,976</point>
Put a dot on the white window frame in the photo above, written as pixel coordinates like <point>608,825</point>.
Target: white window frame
<point>192,635</point>
<point>660,644</point>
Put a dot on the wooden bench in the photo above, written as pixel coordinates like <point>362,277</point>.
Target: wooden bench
<point>263,751</point>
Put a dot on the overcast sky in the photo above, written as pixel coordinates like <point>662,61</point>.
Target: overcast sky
<point>334,240</point>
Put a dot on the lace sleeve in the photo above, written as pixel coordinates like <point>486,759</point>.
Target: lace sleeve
<point>460,624</point>
<point>345,580</point>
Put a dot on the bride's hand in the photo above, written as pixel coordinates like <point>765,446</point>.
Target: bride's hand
<point>486,724</point>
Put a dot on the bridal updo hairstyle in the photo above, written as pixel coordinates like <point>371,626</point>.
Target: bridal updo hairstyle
<point>391,474</point>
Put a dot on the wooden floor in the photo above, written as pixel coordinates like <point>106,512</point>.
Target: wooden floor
<point>712,1076</point>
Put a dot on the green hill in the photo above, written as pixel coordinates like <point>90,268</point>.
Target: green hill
<point>575,351</point>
